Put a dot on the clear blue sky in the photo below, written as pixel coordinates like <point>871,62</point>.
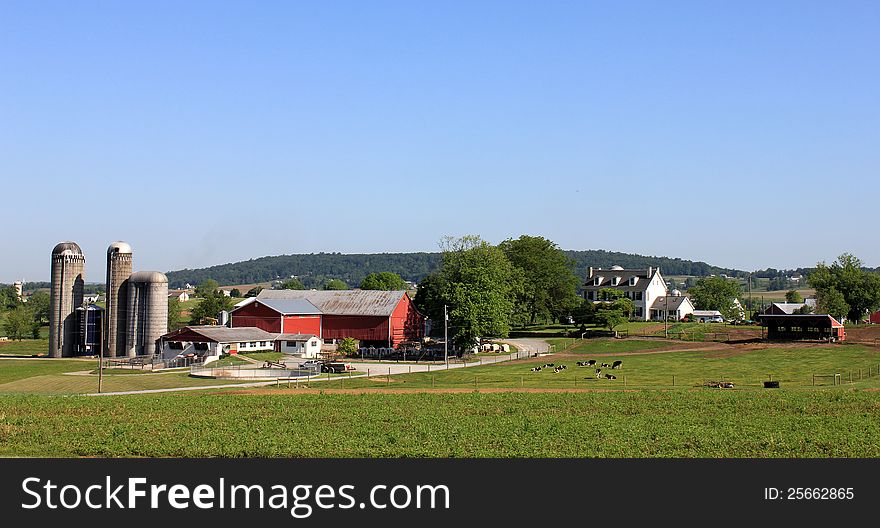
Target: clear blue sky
<point>740,133</point>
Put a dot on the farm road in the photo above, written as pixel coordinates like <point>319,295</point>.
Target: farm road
<point>526,346</point>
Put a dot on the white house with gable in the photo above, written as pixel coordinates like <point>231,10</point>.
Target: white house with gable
<point>642,286</point>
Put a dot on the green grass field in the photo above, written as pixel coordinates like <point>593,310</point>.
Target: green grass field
<point>618,424</point>
<point>48,376</point>
<point>793,367</point>
<point>25,347</point>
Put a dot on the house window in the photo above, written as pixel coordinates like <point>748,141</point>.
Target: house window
<point>591,295</point>
<point>638,296</point>
<point>597,281</point>
<point>291,343</point>
<point>314,343</point>
<point>633,280</point>
<point>615,281</point>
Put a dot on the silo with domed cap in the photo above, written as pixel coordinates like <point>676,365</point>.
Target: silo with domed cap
<point>66,295</point>
<point>147,312</point>
<point>119,262</point>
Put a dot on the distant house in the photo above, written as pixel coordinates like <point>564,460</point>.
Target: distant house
<point>91,298</point>
<point>671,307</point>
<point>641,286</point>
<point>180,295</point>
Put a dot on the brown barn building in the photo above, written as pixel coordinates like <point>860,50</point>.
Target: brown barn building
<point>379,318</point>
<point>803,327</point>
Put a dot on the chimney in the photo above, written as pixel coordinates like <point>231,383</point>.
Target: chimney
<point>650,271</point>
<point>590,276</point>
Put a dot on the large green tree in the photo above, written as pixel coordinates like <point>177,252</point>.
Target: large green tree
<point>38,302</point>
<point>384,280</point>
<point>830,301</point>
<point>716,293</point>
<point>480,287</point>
<point>207,288</point>
<point>335,284</point>
<point>210,307</point>
<point>429,297</point>
<point>793,296</point>
<point>549,287</point>
<point>175,315</point>
<point>859,288</point>
<point>20,323</point>
<point>292,284</point>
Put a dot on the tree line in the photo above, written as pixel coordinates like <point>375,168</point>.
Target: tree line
<point>316,269</point>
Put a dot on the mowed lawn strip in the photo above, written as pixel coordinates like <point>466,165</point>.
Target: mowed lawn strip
<point>617,424</point>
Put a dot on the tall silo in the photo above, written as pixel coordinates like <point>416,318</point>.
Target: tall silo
<point>68,278</point>
<point>147,312</point>
<point>119,258</point>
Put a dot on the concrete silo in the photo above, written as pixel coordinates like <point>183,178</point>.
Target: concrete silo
<point>147,311</point>
<point>68,278</point>
<point>119,260</point>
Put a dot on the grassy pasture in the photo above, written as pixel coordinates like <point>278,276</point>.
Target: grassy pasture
<point>792,366</point>
<point>618,424</point>
<point>25,347</point>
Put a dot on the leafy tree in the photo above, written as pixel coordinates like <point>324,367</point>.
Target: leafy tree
<point>384,280</point>
<point>38,302</point>
<point>292,284</point>
<point>609,294</point>
<point>832,302</point>
<point>9,298</point>
<point>715,293</point>
<point>210,307</point>
<point>549,282</point>
<point>792,296</point>
<point>584,314</point>
<point>429,297</point>
<point>175,315</point>
<point>207,288</point>
<point>804,310</point>
<point>859,288</point>
<point>235,292</point>
<point>610,318</point>
<point>253,292</point>
<point>480,286</point>
<point>348,346</point>
<point>20,323</point>
<point>335,284</point>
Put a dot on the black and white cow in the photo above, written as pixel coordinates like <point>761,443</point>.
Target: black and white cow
<point>617,364</point>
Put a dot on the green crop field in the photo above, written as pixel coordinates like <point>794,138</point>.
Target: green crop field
<point>617,424</point>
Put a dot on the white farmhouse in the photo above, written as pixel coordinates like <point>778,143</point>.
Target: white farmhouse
<point>642,286</point>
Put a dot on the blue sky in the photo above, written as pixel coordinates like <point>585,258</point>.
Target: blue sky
<point>740,133</point>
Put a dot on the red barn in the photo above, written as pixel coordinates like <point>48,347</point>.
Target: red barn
<point>374,317</point>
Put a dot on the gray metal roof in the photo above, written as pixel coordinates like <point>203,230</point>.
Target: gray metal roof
<point>223,334</point>
<point>606,276</point>
<point>789,308</point>
<point>119,247</point>
<point>291,306</point>
<point>343,302</point>
<point>294,337</point>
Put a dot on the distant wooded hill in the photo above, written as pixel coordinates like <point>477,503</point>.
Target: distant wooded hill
<point>316,268</point>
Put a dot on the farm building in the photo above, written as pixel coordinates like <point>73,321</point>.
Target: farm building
<point>787,308</point>
<point>708,316</point>
<point>302,345</point>
<point>671,307</point>
<point>807,326</point>
<point>377,318</point>
<point>212,341</point>
<point>875,317</point>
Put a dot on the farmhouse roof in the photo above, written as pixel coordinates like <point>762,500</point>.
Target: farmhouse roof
<point>220,334</point>
<point>675,302</point>
<point>294,337</point>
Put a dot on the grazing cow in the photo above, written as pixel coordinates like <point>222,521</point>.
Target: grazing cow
<point>582,363</point>
<point>605,365</point>
<point>557,370</point>
<point>610,376</point>
<point>617,364</point>
<point>591,363</point>
<point>536,369</point>
<point>598,373</point>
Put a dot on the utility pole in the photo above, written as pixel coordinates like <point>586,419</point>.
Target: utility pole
<point>445,336</point>
<point>666,317</point>
<point>751,306</point>
<point>100,353</point>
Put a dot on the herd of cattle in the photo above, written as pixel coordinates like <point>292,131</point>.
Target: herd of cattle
<point>591,363</point>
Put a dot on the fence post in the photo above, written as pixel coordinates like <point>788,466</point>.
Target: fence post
<point>432,382</point>
<point>521,382</point>
<point>673,380</point>
<point>475,382</point>
<point>814,380</point>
